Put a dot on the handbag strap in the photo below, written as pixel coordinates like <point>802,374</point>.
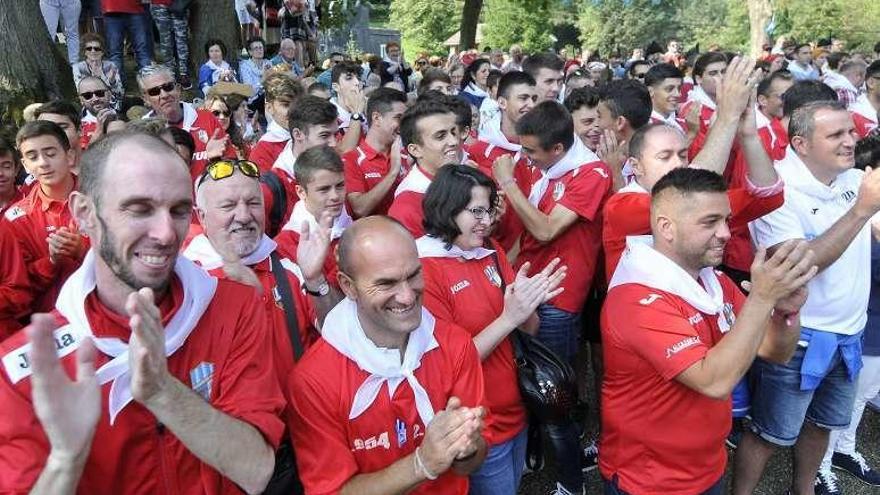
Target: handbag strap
<point>287,303</point>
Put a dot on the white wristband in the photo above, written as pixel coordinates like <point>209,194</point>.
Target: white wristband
<point>421,469</point>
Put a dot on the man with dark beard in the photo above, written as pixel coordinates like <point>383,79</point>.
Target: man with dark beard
<point>184,393</point>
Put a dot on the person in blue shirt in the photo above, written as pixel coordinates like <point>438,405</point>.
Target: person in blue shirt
<point>216,68</point>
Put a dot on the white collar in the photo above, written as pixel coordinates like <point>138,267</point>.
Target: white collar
<point>798,176</point>
<point>275,133</point>
<point>342,330</point>
<point>344,115</point>
<point>475,90</point>
<point>286,159</point>
<point>222,66</point>
<point>698,95</point>
<point>573,159</point>
<point>838,79</point>
<point>432,247</point>
<point>415,180</point>
<point>633,187</point>
<point>198,291</point>
<point>492,134</point>
<point>300,214</point>
<point>201,251</point>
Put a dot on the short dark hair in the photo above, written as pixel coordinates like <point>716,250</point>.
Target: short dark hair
<point>803,92</point>
<point>764,85</point>
<point>705,59</point>
<point>345,68</point>
<point>873,70</point>
<point>183,138</point>
<point>215,41</point>
<point>7,148</point>
<point>311,110</point>
<point>448,195</point>
<point>637,141</point>
<point>687,180</point>
<point>803,119</point>
<point>835,59</point>
<point>587,96</point>
<point>430,76</point>
<point>660,72</point>
<point>550,122</point>
<point>60,107</point>
<point>629,99</point>
<point>631,72</point>
<point>471,70</point>
<point>512,79</point>
<point>39,128</point>
<point>382,100</point>
<point>255,39</point>
<point>493,78</point>
<point>868,152</point>
<point>409,131</point>
<point>313,159</point>
<point>542,60</point>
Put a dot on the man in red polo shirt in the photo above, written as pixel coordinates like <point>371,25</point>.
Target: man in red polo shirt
<point>281,92</point>
<point>41,222</point>
<point>516,97</point>
<point>562,216</point>
<point>373,169</point>
<point>184,394</point>
<point>688,337</point>
<point>774,135</point>
<point>429,131</point>
<point>388,399</point>
<point>162,93</point>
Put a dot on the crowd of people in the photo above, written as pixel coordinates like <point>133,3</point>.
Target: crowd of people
<point>307,281</point>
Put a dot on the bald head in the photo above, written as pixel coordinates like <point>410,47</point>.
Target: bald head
<point>371,236</point>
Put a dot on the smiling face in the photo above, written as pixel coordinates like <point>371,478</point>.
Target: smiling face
<point>519,100</point>
<point>771,103</point>
<point>439,142</point>
<point>387,125</point>
<point>325,191</point>
<point>666,95</point>
<point>481,74</point>
<point>231,212</point>
<point>695,227</point>
<point>663,150</point>
<point>474,230</point>
<point>830,150</point>
<point>221,112</point>
<point>47,160</point>
<point>586,126</point>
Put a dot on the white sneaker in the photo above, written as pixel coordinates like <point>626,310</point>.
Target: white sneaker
<point>561,490</point>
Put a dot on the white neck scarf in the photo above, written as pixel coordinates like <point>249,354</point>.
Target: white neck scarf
<point>697,94</point>
<point>432,247</point>
<point>201,251</point>
<point>475,90</point>
<point>415,181</point>
<point>493,135</point>
<point>198,291</point>
<point>633,187</point>
<point>286,159</point>
<point>342,330</point>
<point>275,133</point>
<point>642,264</point>
<point>576,156</point>
<point>300,214</point>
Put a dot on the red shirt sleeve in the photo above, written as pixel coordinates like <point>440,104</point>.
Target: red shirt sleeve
<point>23,445</point>
<point>436,296</point>
<point>407,209</point>
<point>745,207</point>
<point>15,295</point>
<point>261,154</point>
<point>586,191</point>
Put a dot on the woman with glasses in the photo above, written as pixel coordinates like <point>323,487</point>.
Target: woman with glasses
<point>232,115</point>
<point>252,72</point>
<point>94,65</point>
<point>469,281</point>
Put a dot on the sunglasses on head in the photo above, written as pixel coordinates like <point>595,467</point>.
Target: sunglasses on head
<point>89,94</point>
<point>218,113</point>
<point>222,169</point>
<point>167,87</point>
<point>94,49</point>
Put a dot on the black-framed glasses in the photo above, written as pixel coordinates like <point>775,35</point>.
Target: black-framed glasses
<point>480,213</point>
<point>93,49</point>
<point>221,169</point>
<point>88,95</point>
<point>167,87</point>
<point>218,113</point>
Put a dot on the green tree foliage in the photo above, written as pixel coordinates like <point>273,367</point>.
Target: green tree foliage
<point>620,25</point>
<point>425,24</point>
<point>714,22</point>
<point>525,22</point>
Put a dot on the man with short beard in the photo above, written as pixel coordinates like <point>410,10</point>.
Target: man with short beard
<point>183,393</point>
<point>96,101</point>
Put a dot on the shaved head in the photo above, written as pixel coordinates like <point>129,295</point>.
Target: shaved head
<point>364,236</point>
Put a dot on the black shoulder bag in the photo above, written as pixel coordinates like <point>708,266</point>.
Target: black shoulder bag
<point>279,209</point>
<point>285,479</point>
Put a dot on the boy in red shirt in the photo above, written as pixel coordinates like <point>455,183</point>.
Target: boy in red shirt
<point>281,92</point>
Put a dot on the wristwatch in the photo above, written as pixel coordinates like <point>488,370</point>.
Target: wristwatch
<point>358,117</point>
<point>323,289</point>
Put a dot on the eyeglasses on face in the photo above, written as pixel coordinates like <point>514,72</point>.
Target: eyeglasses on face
<point>219,113</point>
<point>93,48</point>
<point>480,213</point>
<point>167,87</point>
<point>100,93</point>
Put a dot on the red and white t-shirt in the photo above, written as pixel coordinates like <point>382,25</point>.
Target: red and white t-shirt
<point>88,126</point>
<point>288,238</point>
<point>365,168</point>
<point>407,205</point>
<point>270,145</point>
<point>331,448</point>
<point>864,116</point>
<point>673,120</point>
<point>226,358</point>
<point>658,435</point>
<point>468,293</point>
<point>773,135</point>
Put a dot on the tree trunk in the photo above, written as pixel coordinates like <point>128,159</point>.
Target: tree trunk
<point>470,17</point>
<point>213,19</point>
<point>31,68</point>
<point>760,13</point>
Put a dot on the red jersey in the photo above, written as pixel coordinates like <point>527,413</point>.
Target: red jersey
<point>15,292</point>
<point>31,220</point>
<point>865,116</point>
<point>331,448</point>
<point>407,205</point>
<point>288,243</point>
<point>17,196</point>
<point>269,147</point>
<point>628,213</point>
<point>584,192</point>
<point>88,126</point>
<point>509,228</point>
<point>773,135</point>
<point>658,435</point>
<point>201,124</point>
<point>365,168</point>
<point>122,7</point>
<point>468,293</point>
<point>137,454</point>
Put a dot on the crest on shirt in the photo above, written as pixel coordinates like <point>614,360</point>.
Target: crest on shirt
<point>201,377</point>
<point>14,212</point>
<point>203,136</point>
<point>493,275</point>
<point>558,191</point>
<point>400,427</point>
<point>727,318</point>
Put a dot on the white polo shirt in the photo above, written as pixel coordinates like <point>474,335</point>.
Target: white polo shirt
<point>838,299</point>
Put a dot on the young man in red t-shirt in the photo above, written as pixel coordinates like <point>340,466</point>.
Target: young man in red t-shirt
<point>184,395</point>
<point>388,399</point>
<point>429,131</point>
<point>562,217</point>
<point>373,170</point>
<point>281,93</point>
<point>678,336</point>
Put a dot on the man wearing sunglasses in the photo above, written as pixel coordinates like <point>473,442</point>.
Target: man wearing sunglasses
<point>96,101</point>
<point>162,93</point>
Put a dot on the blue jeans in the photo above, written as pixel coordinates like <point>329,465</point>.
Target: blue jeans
<point>611,488</point>
<point>502,469</point>
<point>560,331</point>
<point>116,25</point>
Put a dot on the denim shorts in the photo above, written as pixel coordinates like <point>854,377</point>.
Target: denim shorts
<point>780,407</point>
